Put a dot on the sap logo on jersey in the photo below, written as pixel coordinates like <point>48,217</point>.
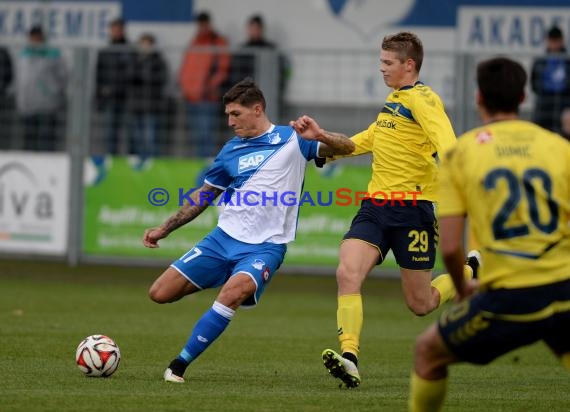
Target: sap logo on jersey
<point>253,160</point>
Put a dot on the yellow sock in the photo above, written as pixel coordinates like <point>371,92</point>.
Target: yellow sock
<point>444,285</point>
<point>425,395</point>
<point>349,320</point>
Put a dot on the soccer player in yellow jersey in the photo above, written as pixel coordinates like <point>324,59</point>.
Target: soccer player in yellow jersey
<point>512,179</point>
<point>411,130</point>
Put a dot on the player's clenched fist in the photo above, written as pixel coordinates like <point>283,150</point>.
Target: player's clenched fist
<point>306,127</point>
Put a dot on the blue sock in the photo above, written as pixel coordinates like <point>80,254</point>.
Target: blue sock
<point>207,329</point>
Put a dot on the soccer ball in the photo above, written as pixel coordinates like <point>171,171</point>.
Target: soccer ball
<point>98,355</point>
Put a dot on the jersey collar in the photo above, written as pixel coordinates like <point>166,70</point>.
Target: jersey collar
<point>409,87</point>
<point>271,127</point>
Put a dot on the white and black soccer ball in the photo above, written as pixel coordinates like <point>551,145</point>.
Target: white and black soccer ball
<point>98,355</point>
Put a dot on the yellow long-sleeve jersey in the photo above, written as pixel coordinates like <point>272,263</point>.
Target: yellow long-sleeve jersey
<point>410,131</point>
<point>512,180</point>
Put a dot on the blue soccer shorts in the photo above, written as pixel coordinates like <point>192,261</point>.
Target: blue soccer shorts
<point>219,256</point>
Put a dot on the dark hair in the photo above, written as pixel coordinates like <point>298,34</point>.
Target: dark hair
<point>501,83</point>
<point>247,93</point>
<point>555,33</point>
<point>36,30</point>
<point>256,19</point>
<point>407,45</point>
<point>203,17</point>
<point>148,37</point>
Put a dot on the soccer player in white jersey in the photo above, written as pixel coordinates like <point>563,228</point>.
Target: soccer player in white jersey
<point>254,168</point>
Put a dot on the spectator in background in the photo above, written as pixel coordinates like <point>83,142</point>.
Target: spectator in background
<point>6,102</point>
<point>203,72</point>
<point>40,91</point>
<point>111,82</point>
<point>6,72</point>
<point>256,33</point>
<point>148,78</point>
<point>550,81</point>
<point>244,63</point>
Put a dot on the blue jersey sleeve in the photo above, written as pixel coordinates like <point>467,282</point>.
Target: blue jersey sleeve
<point>218,175</point>
<point>309,148</point>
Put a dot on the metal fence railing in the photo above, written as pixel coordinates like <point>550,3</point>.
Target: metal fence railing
<point>155,104</point>
<point>89,102</point>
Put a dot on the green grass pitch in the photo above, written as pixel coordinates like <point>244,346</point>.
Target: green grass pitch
<point>267,360</point>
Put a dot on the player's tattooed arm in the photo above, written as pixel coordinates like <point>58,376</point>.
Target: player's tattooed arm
<point>195,204</point>
<point>334,144</point>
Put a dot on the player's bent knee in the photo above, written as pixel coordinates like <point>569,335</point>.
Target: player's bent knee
<point>421,312</point>
<point>342,273</point>
<point>158,294</point>
<point>422,355</point>
<point>348,280</point>
<point>423,345</point>
<point>420,308</point>
<point>233,300</point>
<point>155,294</point>
<point>428,364</point>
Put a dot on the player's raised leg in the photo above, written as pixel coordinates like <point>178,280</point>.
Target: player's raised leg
<point>423,295</point>
<point>442,286</point>
<point>414,248</point>
<point>171,286</point>
<point>357,258</point>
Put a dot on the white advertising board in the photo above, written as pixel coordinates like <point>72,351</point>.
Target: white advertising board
<point>508,29</point>
<point>34,205</point>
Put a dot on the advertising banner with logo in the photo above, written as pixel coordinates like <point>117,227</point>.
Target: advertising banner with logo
<point>34,206</point>
<point>509,29</point>
<point>123,197</point>
<point>65,22</point>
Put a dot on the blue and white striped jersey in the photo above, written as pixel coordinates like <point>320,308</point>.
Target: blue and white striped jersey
<point>260,176</point>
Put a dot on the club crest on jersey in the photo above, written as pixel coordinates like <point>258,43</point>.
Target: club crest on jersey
<point>258,264</point>
<point>253,160</point>
<point>484,136</point>
<point>274,138</point>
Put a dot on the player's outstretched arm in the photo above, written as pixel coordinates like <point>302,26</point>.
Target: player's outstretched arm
<point>331,143</point>
<point>200,200</point>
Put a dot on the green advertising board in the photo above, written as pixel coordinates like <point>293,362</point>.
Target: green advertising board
<point>118,208</point>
